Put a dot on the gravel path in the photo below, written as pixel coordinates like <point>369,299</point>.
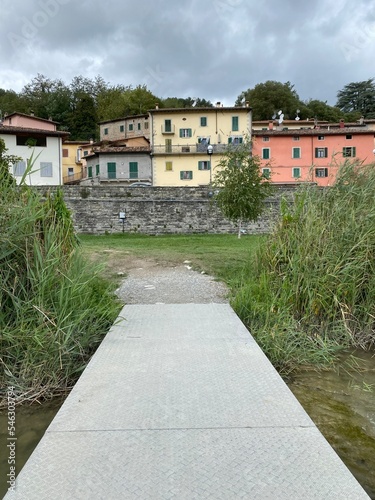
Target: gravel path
<point>171,285</point>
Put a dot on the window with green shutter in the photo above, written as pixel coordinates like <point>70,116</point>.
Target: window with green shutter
<point>296,153</point>
<point>203,121</point>
<point>349,152</point>
<point>133,170</point>
<point>167,125</point>
<point>131,127</point>
<point>266,153</point>
<point>97,168</point>
<point>111,170</point>
<point>185,132</point>
<point>168,145</point>
<point>186,175</point>
<point>321,152</point>
<point>296,173</point>
<point>90,172</point>
<point>168,166</point>
<point>266,172</point>
<point>122,128</point>
<point>235,123</point>
<point>204,165</point>
<point>105,131</point>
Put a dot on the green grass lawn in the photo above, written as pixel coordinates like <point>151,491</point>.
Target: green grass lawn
<point>222,256</point>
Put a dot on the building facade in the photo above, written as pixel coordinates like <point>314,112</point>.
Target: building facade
<point>181,138</point>
<point>311,155</point>
<point>125,128</point>
<point>34,139</point>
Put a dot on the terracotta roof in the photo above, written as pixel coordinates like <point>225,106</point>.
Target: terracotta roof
<point>5,129</point>
<point>123,119</point>
<point>200,110</point>
<point>119,149</point>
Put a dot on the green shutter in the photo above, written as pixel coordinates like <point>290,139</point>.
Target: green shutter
<point>190,133</point>
<point>325,152</point>
<point>296,153</point>
<point>90,171</point>
<point>133,170</point>
<point>230,140</point>
<point>266,154</point>
<point>203,121</point>
<point>354,151</point>
<point>181,132</point>
<point>111,170</point>
<point>234,123</point>
<point>97,169</point>
<point>168,126</point>
<point>200,165</point>
<point>296,173</point>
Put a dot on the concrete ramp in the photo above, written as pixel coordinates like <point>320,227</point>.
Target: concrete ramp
<point>179,402</point>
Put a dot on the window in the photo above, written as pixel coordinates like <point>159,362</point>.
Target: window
<point>31,142</point>
<point>266,153</point>
<point>89,172</point>
<point>321,137</point>
<point>85,153</point>
<point>235,124</point>
<point>139,126</point>
<point>105,131</point>
<point>185,132</point>
<point>204,165</point>
<point>348,152</point>
<point>186,175</point>
<point>296,173</point>
<point>321,172</point>
<point>19,168</point>
<point>296,138</point>
<point>185,149</point>
<point>131,127</point>
<point>70,171</point>
<point>65,153</point>
<point>122,128</point>
<point>203,121</point>
<point>168,166</point>
<point>146,125</point>
<point>296,153</point>
<point>168,145</point>
<point>235,139</point>
<point>133,170</point>
<point>349,136</point>
<point>97,169</point>
<point>167,125</point>
<point>266,172</point>
<point>265,139</point>
<point>321,152</point>
<point>111,170</point>
<point>45,169</point>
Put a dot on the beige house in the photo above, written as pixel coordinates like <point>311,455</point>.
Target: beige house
<point>125,128</point>
<point>182,140</point>
<point>74,160</point>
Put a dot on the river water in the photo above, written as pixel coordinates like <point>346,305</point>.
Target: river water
<point>340,402</point>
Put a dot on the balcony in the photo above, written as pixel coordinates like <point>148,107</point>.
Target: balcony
<point>168,129</point>
<point>179,149</point>
<point>73,178</point>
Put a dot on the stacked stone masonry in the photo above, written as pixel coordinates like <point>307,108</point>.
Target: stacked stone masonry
<point>158,210</point>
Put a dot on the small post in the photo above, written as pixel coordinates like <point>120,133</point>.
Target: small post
<point>122,217</point>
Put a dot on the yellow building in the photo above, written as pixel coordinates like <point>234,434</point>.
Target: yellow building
<point>74,163</point>
<point>182,139</point>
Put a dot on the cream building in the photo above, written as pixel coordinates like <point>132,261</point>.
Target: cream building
<point>181,138</point>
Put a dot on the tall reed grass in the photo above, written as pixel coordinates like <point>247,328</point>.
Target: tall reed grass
<point>310,292</point>
<point>54,307</point>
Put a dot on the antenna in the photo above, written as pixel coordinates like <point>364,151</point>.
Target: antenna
<point>274,115</point>
<point>281,117</point>
<point>297,118</point>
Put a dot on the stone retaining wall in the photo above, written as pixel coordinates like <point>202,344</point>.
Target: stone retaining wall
<point>157,210</point>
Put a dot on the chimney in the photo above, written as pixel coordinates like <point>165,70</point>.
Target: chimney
<point>156,105</point>
<point>218,104</point>
<point>270,125</point>
<point>342,124</point>
<point>246,104</point>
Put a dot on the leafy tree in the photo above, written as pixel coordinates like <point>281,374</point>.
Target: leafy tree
<point>241,187</point>
<point>110,103</point>
<point>270,97</point>
<point>188,102</point>
<point>138,100</point>
<point>10,102</point>
<point>314,108</point>
<point>358,97</point>
<point>83,119</point>
<point>6,161</point>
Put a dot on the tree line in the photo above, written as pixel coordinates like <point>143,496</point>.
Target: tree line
<point>81,104</point>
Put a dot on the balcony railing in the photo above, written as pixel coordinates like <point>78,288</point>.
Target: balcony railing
<point>73,179</point>
<point>169,130</point>
<point>188,149</point>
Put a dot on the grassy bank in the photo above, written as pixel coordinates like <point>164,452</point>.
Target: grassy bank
<point>310,290</point>
<point>55,307</point>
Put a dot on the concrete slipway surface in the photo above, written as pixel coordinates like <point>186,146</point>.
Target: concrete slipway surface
<point>179,402</point>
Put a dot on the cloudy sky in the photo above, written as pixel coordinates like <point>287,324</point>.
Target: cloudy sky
<point>212,49</point>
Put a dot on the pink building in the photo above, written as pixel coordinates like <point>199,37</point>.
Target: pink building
<point>29,121</point>
<point>311,155</point>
